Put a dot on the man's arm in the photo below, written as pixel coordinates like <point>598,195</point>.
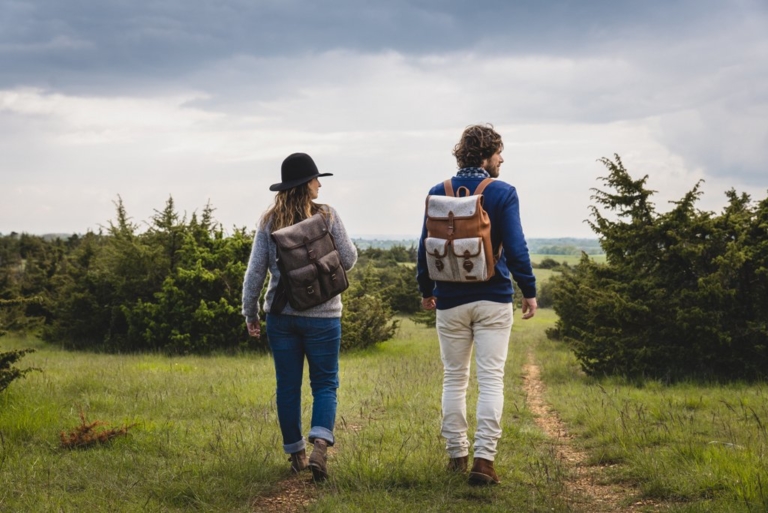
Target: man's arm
<point>516,253</point>
<point>426,284</point>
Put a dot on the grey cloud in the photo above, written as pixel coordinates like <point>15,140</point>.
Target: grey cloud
<point>90,45</point>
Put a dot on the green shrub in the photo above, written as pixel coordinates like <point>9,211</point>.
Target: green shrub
<point>684,293</point>
<point>366,321</point>
<point>9,373</point>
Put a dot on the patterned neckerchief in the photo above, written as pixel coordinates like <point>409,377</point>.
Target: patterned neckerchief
<point>473,172</point>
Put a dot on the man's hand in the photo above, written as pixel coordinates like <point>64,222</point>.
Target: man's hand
<point>529,307</point>
<point>254,329</point>
<point>428,303</point>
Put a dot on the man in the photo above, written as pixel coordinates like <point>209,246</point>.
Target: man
<point>479,314</point>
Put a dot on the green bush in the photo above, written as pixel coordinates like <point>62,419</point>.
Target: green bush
<point>426,317</point>
<point>548,263</point>
<point>367,319</point>
<point>9,373</point>
<point>683,293</point>
<point>175,287</point>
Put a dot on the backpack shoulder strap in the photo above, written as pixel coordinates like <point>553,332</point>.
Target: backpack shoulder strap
<point>448,187</point>
<point>481,187</point>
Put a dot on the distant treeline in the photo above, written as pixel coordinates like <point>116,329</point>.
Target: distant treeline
<point>565,246</point>
<point>558,246</point>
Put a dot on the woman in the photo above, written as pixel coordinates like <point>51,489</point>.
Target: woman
<point>314,333</point>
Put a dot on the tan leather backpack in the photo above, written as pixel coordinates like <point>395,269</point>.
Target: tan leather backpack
<point>458,243</point>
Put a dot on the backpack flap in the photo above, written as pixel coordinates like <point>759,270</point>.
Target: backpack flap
<point>439,207</point>
<point>301,233</point>
<point>330,263</point>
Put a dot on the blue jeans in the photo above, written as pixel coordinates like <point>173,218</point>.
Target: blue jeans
<point>292,338</point>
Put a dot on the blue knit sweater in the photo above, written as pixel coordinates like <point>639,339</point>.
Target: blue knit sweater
<point>503,207</point>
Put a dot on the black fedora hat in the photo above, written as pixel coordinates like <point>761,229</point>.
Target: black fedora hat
<point>297,168</point>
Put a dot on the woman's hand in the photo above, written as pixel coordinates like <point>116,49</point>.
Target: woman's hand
<point>254,329</point>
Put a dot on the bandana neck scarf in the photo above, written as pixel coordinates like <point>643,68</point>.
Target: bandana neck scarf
<point>472,172</point>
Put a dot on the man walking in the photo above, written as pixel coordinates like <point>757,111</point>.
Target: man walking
<point>479,313</point>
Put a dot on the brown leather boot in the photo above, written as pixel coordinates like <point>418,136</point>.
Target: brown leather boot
<point>458,464</point>
<point>318,460</point>
<point>298,461</point>
<point>482,473</point>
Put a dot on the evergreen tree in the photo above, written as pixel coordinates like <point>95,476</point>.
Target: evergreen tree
<point>681,293</point>
<point>8,371</point>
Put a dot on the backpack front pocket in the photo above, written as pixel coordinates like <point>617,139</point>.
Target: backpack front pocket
<point>331,275</point>
<point>470,259</point>
<point>304,287</point>
<point>458,260</point>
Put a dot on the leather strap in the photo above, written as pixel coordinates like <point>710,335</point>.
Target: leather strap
<point>481,187</point>
<point>448,187</point>
<point>280,299</point>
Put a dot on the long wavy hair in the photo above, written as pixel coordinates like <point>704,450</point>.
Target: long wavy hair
<point>478,142</point>
<point>290,207</point>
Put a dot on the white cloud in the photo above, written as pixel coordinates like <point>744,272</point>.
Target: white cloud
<point>385,124</point>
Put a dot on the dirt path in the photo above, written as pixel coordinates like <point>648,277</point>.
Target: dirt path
<point>291,495</point>
<point>586,491</point>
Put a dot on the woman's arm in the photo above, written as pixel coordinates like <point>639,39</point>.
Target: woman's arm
<point>258,264</point>
<point>347,249</point>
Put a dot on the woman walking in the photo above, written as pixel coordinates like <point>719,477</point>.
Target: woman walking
<point>314,333</point>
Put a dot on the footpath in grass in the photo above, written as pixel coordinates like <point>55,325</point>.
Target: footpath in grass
<point>683,447</point>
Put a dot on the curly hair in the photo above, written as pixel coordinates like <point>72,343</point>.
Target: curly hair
<point>478,142</point>
<point>290,207</point>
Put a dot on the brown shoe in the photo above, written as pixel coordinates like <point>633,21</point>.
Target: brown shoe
<point>482,473</point>
<point>298,461</point>
<point>318,460</point>
<point>458,464</point>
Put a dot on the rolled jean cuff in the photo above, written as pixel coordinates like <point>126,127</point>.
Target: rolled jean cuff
<point>486,455</point>
<point>294,447</point>
<point>321,433</point>
<point>457,453</point>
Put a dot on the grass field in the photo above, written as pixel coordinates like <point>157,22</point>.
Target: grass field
<point>569,259</point>
<point>698,447</point>
<point>206,435</point>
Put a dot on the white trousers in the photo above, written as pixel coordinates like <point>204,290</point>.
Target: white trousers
<point>486,325</point>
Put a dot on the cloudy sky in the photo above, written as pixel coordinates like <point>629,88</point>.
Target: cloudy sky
<point>201,100</point>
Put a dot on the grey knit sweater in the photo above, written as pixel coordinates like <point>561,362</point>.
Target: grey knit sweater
<point>264,257</point>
